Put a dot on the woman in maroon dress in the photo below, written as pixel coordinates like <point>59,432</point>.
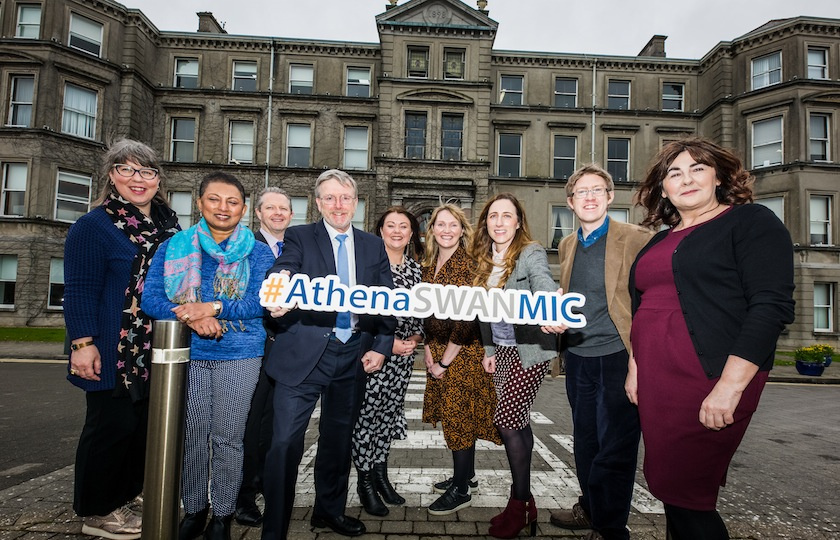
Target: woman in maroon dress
<point>710,296</point>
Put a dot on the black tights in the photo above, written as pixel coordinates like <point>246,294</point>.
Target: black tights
<point>685,524</point>
<point>519,444</point>
<point>463,463</point>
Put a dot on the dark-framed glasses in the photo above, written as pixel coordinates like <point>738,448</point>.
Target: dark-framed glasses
<point>595,192</point>
<point>127,171</point>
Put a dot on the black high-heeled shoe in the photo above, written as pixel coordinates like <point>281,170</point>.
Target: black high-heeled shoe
<point>368,496</point>
<point>383,485</point>
<point>218,528</point>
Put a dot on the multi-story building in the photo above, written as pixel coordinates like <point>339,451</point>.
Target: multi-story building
<point>431,112</point>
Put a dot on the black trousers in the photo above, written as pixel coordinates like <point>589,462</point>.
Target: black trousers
<point>111,455</point>
<point>339,381</point>
<point>257,441</point>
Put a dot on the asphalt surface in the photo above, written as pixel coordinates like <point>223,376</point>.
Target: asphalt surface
<point>781,483</point>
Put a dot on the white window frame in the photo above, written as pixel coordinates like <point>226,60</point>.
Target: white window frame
<point>300,207</point>
<point>517,157</point>
<point>184,72</point>
<point>84,35</point>
<point>303,77</point>
<point>762,76</point>
<point>511,96</point>
<point>14,191</point>
<point>298,136</point>
<point>558,94</point>
<point>358,78</point>
<point>826,305</point>
<point>242,72</point>
<point>24,27</point>
<point>83,202</point>
<point>241,141</point>
<point>17,104</point>
<point>76,119</point>
<point>176,143</point>
<point>182,204</point>
<point>557,160</point>
<point>818,70</point>
<point>356,144</point>
<point>56,279</point>
<point>8,278</point>
<point>823,140</point>
<point>765,143</point>
<point>673,98</point>
<point>775,203</point>
<point>613,162</point>
<point>613,96</point>
<point>358,220</point>
<point>559,213</point>
<point>820,219</point>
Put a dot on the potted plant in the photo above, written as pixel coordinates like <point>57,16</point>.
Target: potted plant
<point>813,360</point>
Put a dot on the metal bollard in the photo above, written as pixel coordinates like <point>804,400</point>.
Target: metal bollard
<point>165,439</point>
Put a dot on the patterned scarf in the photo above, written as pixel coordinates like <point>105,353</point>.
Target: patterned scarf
<point>134,349</point>
<point>182,267</point>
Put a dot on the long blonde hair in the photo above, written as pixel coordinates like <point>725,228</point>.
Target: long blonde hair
<point>482,245</point>
<point>432,249</point>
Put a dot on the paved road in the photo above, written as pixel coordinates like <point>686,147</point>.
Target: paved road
<point>781,484</point>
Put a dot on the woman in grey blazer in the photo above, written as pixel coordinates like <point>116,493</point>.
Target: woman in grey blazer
<point>517,355</point>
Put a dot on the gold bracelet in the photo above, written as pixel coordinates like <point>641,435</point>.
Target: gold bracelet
<point>77,346</point>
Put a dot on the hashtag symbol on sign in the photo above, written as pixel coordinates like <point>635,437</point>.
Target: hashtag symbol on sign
<point>272,289</point>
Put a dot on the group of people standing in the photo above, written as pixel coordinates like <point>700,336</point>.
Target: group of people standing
<point>680,335</point>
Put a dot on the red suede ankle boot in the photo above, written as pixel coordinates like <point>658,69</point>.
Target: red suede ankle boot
<point>515,517</point>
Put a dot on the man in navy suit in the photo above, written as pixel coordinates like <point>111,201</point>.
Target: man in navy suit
<point>323,355</point>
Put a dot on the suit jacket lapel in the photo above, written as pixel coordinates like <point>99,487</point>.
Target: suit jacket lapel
<point>322,238</point>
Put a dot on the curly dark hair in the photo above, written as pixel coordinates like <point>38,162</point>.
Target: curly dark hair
<point>735,181</point>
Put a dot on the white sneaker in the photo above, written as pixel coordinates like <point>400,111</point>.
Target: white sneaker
<point>121,524</point>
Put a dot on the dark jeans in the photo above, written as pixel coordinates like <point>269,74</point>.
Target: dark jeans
<point>110,458</point>
<point>606,432</point>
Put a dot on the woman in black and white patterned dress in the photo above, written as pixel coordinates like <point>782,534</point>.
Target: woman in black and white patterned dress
<point>382,418</point>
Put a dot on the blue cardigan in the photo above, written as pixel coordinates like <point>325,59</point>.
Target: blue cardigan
<point>247,337</point>
<point>97,270</point>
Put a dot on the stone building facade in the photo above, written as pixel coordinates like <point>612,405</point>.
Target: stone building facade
<point>430,112</point>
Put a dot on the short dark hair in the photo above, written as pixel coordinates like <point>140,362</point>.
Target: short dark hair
<point>224,178</point>
<point>416,242</point>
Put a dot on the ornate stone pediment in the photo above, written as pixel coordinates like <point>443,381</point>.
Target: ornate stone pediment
<point>436,14</point>
<point>830,97</point>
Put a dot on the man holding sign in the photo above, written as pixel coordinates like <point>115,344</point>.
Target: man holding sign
<point>323,355</point>
<point>596,262</point>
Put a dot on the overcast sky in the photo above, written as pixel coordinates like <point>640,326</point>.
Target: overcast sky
<point>612,27</point>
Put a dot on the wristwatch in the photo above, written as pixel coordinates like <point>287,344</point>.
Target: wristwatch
<point>217,308</point>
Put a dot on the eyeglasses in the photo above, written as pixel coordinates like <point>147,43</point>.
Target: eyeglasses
<point>127,171</point>
<point>595,192</point>
<point>330,200</point>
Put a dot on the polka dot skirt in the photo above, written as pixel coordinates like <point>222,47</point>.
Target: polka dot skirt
<point>516,388</point>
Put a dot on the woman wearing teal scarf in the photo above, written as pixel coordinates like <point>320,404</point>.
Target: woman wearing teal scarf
<point>209,277</point>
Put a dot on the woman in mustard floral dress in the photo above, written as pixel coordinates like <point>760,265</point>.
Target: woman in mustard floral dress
<point>459,393</point>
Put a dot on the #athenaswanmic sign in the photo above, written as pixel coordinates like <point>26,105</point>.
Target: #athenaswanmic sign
<point>424,300</point>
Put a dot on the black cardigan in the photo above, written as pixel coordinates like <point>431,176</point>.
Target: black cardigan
<point>734,278</point>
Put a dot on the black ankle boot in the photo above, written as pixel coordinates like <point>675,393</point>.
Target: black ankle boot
<point>368,495</point>
<point>192,525</point>
<point>383,485</point>
<point>218,528</point>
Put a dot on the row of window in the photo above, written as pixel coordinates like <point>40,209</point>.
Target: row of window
<point>8,282</point>
<point>73,196</point>
<point>767,70</point>
<point>79,108</point>
<point>84,34</point>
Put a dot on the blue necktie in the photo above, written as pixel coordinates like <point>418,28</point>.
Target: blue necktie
<point>342,321</point>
